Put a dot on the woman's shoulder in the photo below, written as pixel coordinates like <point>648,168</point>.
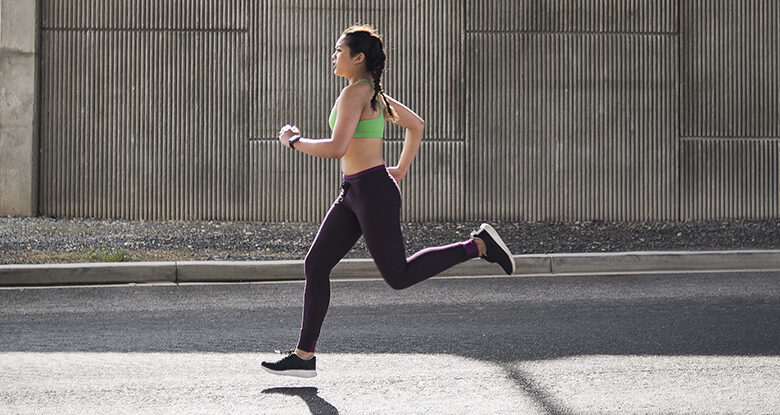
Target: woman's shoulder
<point>359,91</point>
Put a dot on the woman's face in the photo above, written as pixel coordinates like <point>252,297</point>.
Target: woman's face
<point>342,63</point>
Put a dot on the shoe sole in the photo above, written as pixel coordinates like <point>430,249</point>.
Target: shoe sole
<point>293,373</point>
<point>493,234</point>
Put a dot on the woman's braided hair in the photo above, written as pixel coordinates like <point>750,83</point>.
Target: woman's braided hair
<point>363,38</point>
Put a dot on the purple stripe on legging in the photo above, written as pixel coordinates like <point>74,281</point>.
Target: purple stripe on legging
<point>472,249</point>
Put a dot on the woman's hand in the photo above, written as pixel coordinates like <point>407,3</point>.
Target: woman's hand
<point>287,132</point>
<point>397,173</point>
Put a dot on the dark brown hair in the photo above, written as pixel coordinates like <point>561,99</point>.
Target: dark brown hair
<point>364,38</point>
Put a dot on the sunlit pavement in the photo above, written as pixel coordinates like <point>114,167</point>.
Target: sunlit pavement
<point>621,344</point>
<point>386,383</point>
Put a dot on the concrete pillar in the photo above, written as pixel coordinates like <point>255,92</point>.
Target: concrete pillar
<point>18,108</point>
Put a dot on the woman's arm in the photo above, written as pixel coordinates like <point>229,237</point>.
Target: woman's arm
<point>414,131</point>
<point>349,109</point>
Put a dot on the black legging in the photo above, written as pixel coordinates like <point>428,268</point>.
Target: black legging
<point>369,204</point>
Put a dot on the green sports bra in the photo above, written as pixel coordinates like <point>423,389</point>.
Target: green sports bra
<point>374,127</point>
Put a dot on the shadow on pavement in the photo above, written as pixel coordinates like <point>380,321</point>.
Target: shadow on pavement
<point>546,401</point>
<point>316,404</point>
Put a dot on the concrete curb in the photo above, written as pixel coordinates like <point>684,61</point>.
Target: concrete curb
<point>664,261</point>
<point>543,264</point>
<point>98,273</point>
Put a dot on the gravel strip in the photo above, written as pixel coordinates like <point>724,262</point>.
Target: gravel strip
<point>49,240</point>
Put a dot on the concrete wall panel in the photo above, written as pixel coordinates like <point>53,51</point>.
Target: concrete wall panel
<point>573,16</point>
<point>17,96</point>
<point>143,124</point>
<point>144,14</point>
<point>728,179</point>
<point>537,110</point>
<point>729,68</point>
<point>18,132</point>
<point>18,158</point>
<point>434,189</point>
<point>18,25</point>
<point>565,127</point>
<point>286,185</point>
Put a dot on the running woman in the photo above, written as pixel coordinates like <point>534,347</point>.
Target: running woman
<point>369,203</point>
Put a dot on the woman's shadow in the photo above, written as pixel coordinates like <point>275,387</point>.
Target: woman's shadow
<point>316,404</point>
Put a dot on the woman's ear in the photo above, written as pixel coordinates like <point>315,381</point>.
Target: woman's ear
<point>360,57</point>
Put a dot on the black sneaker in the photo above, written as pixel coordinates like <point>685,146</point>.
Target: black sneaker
<point>292,365</point>
<point>496,250</point>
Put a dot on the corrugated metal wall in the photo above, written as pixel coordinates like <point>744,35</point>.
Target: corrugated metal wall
<point>581,105</point>
<point>144,109</point>
<point>730,107</point>
<point>575,117</point>
<point>535,110</point>
<point>725,178</point>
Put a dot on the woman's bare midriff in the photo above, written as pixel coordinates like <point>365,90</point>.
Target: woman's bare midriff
<point>362,154</point>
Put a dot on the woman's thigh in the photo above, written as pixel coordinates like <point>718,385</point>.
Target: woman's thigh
<point>378,210</point>
<point>337,235</point>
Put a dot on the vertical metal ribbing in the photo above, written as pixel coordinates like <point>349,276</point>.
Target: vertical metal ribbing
<point>95,157</point>
<point>179,135</point>
<point>582,16</point>
<point>730,100</point>
<point>135,139</point>
<point>491,126</point>
<point>126,135</point>
<point>277,192</point>
<point>434,182</point>
<point>86,129</point>
<point>115,145</point>
<point>729,69</point>
<point>68,153</point>
<point>130,143</point>
<point>170,189</point>
<point>109,138</point>
<point>144,14</point>
<point>727,179</point>
<point>589,137</point>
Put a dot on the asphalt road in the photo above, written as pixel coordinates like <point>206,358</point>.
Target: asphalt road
<point>688,343</point>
